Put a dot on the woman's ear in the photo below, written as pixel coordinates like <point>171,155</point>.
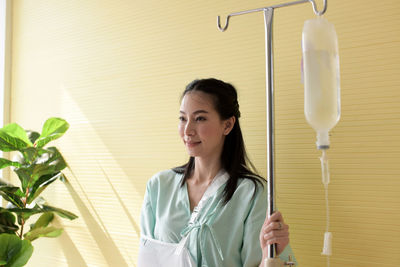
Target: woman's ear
<point>229,123</point>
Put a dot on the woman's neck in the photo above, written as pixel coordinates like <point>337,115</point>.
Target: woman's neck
<point>206,169</point>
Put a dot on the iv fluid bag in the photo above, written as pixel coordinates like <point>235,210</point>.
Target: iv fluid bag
<point>321,77</point>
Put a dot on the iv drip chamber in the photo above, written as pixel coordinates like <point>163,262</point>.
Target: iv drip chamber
<point>321,77</point>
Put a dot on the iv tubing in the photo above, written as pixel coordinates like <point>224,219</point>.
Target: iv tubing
<point>327,249</point>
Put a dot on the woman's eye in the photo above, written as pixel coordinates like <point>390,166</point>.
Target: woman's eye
<point>200,119</point>
<point>181,118</point>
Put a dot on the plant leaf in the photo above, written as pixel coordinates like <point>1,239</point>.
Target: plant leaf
<point>25,213</point>
<point>23,255</point>
<point>41,184</point>
<point>43,220</point>
<point>49,163</point>
<point>50,231</point>
<point>5,163</point>
<point>8,193</point>
<point>32,135</point>
<point>14,252</point>
<point>24,175</point>
<point>29,154</point>
<point>56,159</point>
<point>53,128</point>
<point>13,137</point>
<point>9,246</point>
<point>17,192</point>
<point>60,212</point>
<point>17,131</point>
<point>7,222</point>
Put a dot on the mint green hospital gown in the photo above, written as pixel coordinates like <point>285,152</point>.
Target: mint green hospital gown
<point>223,236</point>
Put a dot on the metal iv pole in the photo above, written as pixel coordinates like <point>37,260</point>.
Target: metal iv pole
<point>273,260</point>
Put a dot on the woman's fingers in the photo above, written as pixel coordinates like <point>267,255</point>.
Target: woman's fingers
<point>274,231</point>
<point>281,238</point>
<point>275,217</point>
<point>275,226</point>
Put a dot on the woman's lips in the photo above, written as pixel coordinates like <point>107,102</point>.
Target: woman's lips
<point>191,143</point>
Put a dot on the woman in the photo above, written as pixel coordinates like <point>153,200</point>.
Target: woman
<point>214,206</point>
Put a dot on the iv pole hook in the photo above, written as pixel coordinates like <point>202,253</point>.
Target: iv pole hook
<point>318,13</point>
<point>314,6</point>
<point>226,23</point>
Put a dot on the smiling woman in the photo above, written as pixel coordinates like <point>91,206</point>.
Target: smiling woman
<point>187,209</point>
<point>201,127</point>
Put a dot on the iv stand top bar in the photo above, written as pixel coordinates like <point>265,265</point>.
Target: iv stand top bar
<point>319,13</point>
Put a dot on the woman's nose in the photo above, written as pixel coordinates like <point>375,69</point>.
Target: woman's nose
<point>189,129</point>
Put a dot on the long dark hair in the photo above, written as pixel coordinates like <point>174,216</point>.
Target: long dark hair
<point>233,158</point>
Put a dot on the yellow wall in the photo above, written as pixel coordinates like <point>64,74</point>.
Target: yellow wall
<point>115,70</point>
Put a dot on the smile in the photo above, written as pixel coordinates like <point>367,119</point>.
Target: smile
<point>191,143</point>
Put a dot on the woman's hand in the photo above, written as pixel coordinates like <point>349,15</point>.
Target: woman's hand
<point>274,231</point>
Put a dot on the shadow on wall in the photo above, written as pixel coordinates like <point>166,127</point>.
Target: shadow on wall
<point>126,210</point>
<point>71,252</point>
<point>105,187</point>
<point>109,250</point>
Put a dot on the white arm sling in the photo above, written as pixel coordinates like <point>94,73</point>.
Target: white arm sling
<point>155,253</point>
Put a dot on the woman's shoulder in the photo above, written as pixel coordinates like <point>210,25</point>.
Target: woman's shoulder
<point>252,182</point>
<point>257,185</point>
<point>168,176</point>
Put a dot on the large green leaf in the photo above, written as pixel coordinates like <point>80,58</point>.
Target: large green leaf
<point>29,154</point>
<point>32,135</point>
<point>50,231</point>
<point>9,194</point>
<point>17,192</point>
<point>24,175</point>
<point>43,220</point>
<point>7,222</point>
<point>23,255</point>
<point>25,213</point>
<point>13,137</point>
<point>41,184</point>
<point>17,131</point>
<point>14,252</point>
<point>60,212</point>
<point>49,163</point>
<point>40,170</point>
<point>53,128</point>
<point>6,163</point>
<point>40,229</point>
<point>56,159</point>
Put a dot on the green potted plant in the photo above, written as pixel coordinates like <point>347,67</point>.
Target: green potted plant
<point>37,167</point>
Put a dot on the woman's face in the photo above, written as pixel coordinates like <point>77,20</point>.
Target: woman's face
<point>200,127</point>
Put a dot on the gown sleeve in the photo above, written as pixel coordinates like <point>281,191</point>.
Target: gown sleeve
<point>147,216</point>
<point>251,253</point>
